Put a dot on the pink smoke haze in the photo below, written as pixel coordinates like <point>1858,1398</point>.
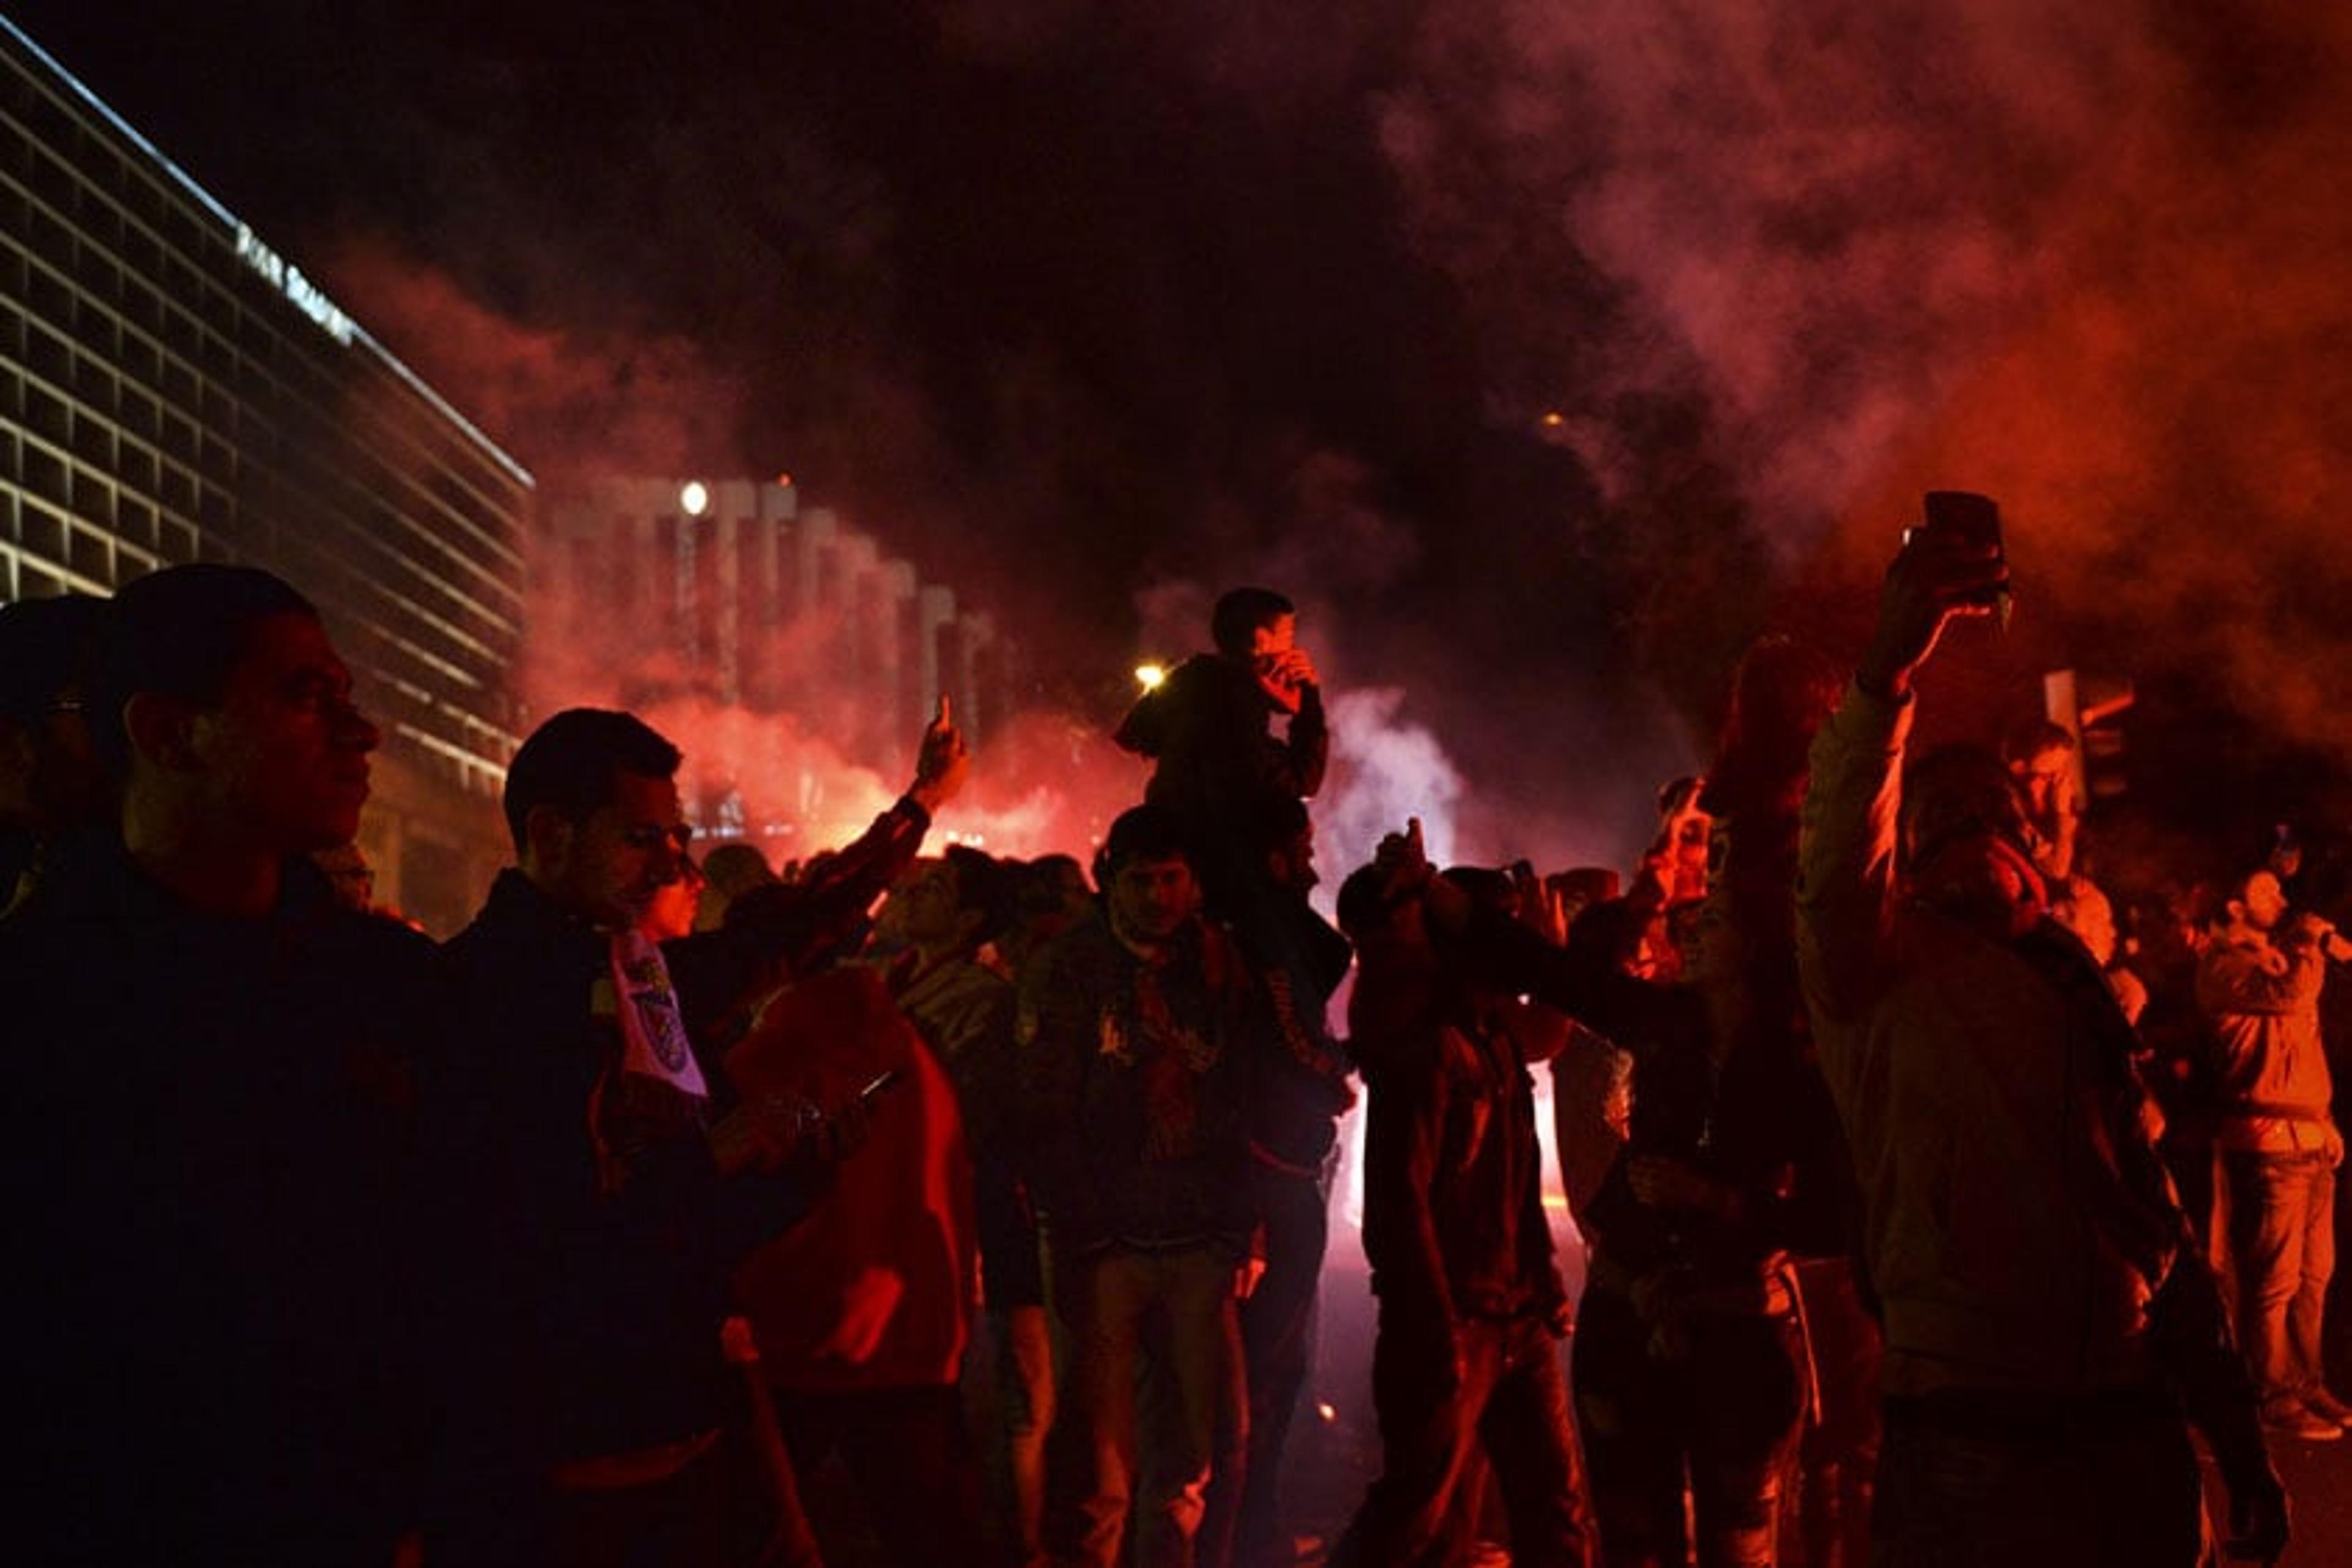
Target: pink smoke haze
<point>2088,260</point>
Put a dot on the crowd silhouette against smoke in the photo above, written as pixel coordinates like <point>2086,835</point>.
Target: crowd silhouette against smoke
<point>1576,371</point>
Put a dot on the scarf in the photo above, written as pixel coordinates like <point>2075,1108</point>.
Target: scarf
<point>651,1087</point>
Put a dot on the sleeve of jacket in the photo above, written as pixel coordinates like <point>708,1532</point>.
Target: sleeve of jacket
<point>2238,979</point>
<point>1846,853</point>
<point>1307,752</point>
<point>1403,1133</point>
<point>774,932</point>
<point>1054,1033</point>
<point>1145,729</point>
<point>1581,981</point>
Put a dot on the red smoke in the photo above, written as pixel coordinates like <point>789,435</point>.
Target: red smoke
<point>2088,260</point>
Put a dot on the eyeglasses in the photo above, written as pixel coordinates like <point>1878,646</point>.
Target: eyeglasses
<point>649,836</point>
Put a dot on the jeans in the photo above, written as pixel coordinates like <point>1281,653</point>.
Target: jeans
<point>1155,1407</point>
<point>1278,1343</point>
<point>1717,1399</point>
<point>1508,1401</point>
<point>2283,1253</point>
<point>2040,1491</point>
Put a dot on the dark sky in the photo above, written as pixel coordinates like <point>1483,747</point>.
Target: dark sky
<point>1079,303</point>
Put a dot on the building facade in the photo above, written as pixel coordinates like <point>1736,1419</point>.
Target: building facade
<point>731,594</point>
<point>173,389</point>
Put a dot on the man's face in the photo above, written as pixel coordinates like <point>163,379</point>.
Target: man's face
<point>607,867</point>
<point>1152,899</point>
<point>2265,901</point>
<point>670,914</point>
<point>1293,864</point>
<point>50,779</point>
<point>923,908</point>
<point>285,755</point>
<point>1270,648</point>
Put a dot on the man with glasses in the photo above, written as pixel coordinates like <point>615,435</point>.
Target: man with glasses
<point>604,1181</point>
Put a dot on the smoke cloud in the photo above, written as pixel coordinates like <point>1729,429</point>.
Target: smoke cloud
<point>2087,260</point>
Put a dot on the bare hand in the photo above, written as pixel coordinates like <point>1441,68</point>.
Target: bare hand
<point>941,764</point>
<point>1404,860</point>
<point>1936,578</point>
<point>1282,673</point>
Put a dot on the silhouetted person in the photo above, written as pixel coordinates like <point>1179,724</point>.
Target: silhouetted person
<point>948,913</point>
<point>1220,766</point>
<point>1692,1366</point>
<point>210,1356</point>
<point>2050,1328</point>
<point>1293,1133</point>
<point>606,1177</point>
<point>1471,1301</point>
<point>1140,1032</point>
<point>2259,984</point>
<point>863,1311</point>
<point>51,781</point>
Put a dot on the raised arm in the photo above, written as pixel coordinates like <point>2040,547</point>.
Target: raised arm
<point>1846,854</point>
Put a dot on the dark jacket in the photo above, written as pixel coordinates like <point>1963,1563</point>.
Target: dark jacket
<point>1454,1219</point>
<point>211,1246</point>
<point>1136,1081</point>
<point>591,1313</point>
<point>1218,765</point>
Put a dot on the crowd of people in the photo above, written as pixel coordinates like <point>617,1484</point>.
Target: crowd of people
<point>1926,1212</point>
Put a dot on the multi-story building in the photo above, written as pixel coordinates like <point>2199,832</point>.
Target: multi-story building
<point>731,592</point>
<point>173,389</point>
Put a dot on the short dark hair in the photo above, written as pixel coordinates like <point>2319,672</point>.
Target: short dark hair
<point>44,645</point>
<point>177,633</point>
<point>1239,614</point>
<point>1958,789</point>
<point>1364,903</point>
<point>573,762</point>
<point>984,885</point>
<point>1143,833</point>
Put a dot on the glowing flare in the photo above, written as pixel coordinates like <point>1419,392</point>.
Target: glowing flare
<point>1150,676</point>
<point>695,499</point>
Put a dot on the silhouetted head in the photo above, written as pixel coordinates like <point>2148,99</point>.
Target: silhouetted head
<point>1969,844</point>
<point>1241,613</point>
<point>591,801</point>
<point>215,693</point>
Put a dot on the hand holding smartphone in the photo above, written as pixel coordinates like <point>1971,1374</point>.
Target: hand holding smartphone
<point>1975,520</point>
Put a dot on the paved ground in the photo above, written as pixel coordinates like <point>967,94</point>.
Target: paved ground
<point>1336,1449</point>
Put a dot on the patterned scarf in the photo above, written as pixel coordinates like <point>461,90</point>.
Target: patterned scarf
<point>651,1089</point>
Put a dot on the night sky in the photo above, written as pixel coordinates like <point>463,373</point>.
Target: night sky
<point>1545,353</point>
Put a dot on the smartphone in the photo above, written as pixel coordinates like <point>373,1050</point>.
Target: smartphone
<point>1977,519</point>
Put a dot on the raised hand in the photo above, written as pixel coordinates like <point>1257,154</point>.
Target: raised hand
<point>1938,576</point>
<point>942,764</point>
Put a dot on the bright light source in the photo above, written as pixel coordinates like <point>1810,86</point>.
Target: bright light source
<point>785,481</point>
<point>695,498</point>
<point>1327,1412</point>
<point>1553,419</point>
<point>1150,676</point>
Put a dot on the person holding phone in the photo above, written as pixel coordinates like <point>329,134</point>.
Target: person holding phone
<point>1221,767</point>
<point>2050,1331</point>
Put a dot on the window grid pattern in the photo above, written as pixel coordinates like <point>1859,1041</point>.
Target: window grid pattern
<point>161,400</point>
